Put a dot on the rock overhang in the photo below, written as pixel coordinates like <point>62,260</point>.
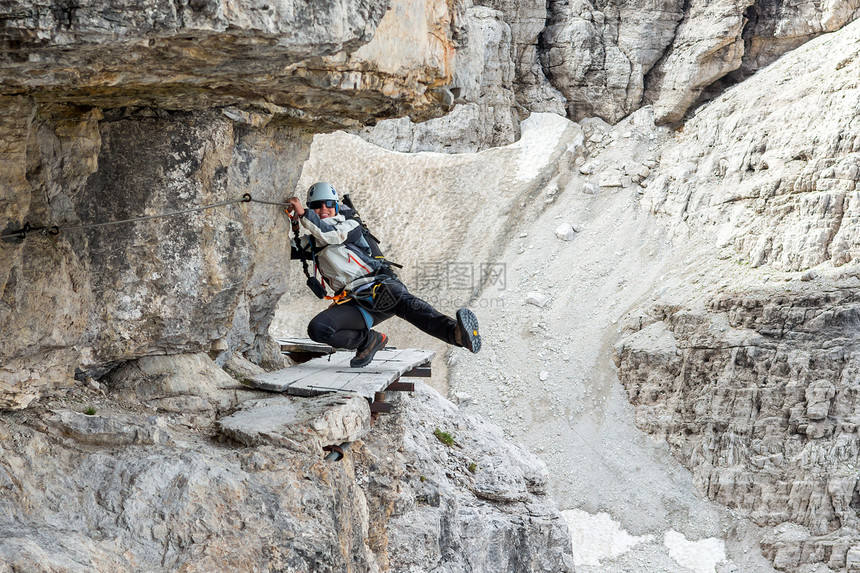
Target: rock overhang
<point>119,108</point>
<point>320,65</point>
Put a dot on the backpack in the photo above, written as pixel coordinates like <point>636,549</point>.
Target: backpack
<point>375,250</point>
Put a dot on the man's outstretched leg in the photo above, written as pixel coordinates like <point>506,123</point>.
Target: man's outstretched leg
<point>461,332</point>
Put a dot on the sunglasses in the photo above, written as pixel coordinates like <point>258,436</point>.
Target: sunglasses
<point>330,203</point>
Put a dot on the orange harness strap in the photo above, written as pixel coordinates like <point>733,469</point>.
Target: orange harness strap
<point>340,298</point>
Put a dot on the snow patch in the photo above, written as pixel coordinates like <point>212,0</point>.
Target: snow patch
<point>597,537</point>
<point>699,556</point>
<point>541,133</point>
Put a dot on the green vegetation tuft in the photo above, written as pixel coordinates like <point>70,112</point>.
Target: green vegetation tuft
<point>444,437</point>
<point>90,411</point>
<point>473,467</point>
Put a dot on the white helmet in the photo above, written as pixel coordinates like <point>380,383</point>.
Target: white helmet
<point>321,191</point>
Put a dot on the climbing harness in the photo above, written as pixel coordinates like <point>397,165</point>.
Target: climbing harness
<point>340,298</point>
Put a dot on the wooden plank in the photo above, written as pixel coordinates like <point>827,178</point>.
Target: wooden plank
<point>364,384</point>
<point>303,345</point>
<point>332,373</point>
<point>368,387</point>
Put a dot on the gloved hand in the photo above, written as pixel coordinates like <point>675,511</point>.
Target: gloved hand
<point>295,205</point>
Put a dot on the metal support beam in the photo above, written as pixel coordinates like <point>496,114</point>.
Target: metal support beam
<point>381,407</point>
<point>401,387</point>
<point>419,372</point>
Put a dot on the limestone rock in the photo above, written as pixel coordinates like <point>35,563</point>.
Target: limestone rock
<point>100,430</point>
<point>565,232</point>
<point>611,178</point>
<point>753,395</point>
<point>483,92</point>
<point>135,110</point>
<point>308,424</point>
<point>488,494</point>
<point>610,58</point>
<point>707,46</point>
<point>780,195</point>
<point>819,396</point>
<point>211,53</point>
<point>241,368</point>
<point>190,383</point>
<point>400,500</point>
<point>598,55</point>
<point>604,59</point>
<point>497,81</point>
<point>537,299</point>
<point>776,28</point>
<point>80,302</point>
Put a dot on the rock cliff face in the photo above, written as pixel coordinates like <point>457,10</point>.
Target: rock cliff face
<point>79,303</point>
<point>759,396</point>
<point>744,226</point>
<point>114,112</point>
<point>308,62</point>
<point>497,82</point>
<point>774,169</point>
<point>124,444</point>
<point>718,259</point>
<point>124,490</point>
<point>606,59</point>
<point>754,386</point>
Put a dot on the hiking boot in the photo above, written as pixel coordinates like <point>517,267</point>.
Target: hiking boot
<point>375,342</point>
<point>467,327</point>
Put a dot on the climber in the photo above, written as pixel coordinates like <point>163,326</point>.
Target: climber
<point>366,289</point>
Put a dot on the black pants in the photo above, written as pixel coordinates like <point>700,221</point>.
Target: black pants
<point>344,326</point>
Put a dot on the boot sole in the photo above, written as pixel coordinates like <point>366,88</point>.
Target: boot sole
<point>467,322</point>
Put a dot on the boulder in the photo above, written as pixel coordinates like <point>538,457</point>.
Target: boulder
<point>306,424</point>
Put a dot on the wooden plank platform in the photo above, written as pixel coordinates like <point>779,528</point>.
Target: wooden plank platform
<point>303,345</point>
<point>332,373</point>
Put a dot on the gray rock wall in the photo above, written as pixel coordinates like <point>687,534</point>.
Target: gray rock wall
<point>774,166</point>
<point>82,301</point>
<point>742,225</point>
<point>751,377</point>
<point>605,59</point>
<point>120,489</point>
<point>599,54</point>
<point>305,61</point>
<point>762,409</point>
<point>113,336</point>
<point>482,500</point>
<point>610,58</point>
<point>118,110</point>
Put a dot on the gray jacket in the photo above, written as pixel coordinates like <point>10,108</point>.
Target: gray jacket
<point>340,252</point>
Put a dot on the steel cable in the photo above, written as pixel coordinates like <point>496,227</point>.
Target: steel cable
<point>54,230</point>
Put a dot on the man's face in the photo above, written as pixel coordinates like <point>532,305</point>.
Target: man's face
<point>325,212</point>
